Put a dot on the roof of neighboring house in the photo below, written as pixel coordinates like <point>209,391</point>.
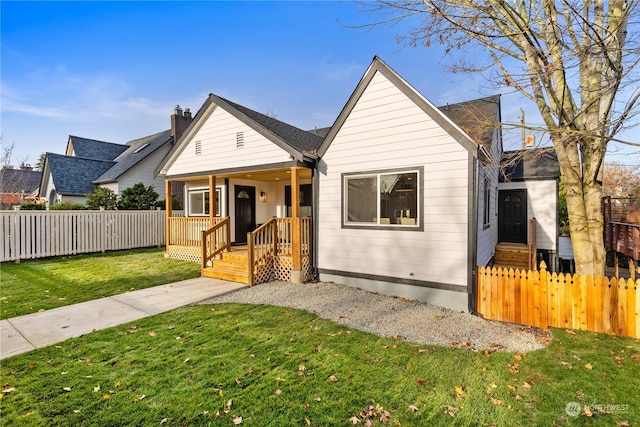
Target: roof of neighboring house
<point>74,175</point>
<point>19,180</point>
<point>136,151</point>
<point>478,117</point>
<point>537,163</point>
<point>94,149</point>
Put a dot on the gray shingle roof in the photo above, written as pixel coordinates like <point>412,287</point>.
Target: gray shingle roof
<point>130,157</point>
<point>74,175</point>
<point>94,149</point>
<point>538,163</point>
<point>297,138</point>
<point>477,117</point>
<point>19,180</point>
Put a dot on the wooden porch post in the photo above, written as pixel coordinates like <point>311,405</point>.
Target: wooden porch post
<point>169,212</point>
<point>212,199</point>
<point>296,273</point>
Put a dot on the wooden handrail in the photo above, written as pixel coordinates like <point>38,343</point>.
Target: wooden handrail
<point>215,240</point>
<point>533,244</point>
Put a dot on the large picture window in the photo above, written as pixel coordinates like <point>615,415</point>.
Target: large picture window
<point>389,199</point>
<point>199,202</point>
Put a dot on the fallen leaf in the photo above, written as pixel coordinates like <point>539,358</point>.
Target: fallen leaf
<point>518,357</point>
<point>106,396</point>
<point>512,388</point>
<point>9,390</point>
<point>164,420</point>
<point>459,391</point>
<point>623,423</point>
<point>451,411</point>
<point>495,401</point>
<point>354,420</point>
<point>587,411</point>
<point>526,385</point>
<point>237,421</point>
<point>588,366</point>
<point>333,379</point>
<point>278,391</point>
<point>570,332</point>
<point>118,383</point>
<point>138,398</point>
<point>413,408</point>
<point>152,334</point>
<point>96,389</point>
<point>65,389</point>
<point>308,421</point>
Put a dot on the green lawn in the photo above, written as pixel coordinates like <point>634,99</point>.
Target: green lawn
<point>273,366</point>
<point>49,283</point>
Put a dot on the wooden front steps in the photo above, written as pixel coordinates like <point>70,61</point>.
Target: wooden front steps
<point>232,266</point>
<point>511,255</point>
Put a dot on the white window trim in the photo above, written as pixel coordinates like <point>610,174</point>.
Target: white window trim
<point>220,206</point>
<point>419,226</point>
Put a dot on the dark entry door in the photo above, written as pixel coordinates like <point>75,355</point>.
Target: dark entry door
<point>245,207</point>
<point>512,216</point>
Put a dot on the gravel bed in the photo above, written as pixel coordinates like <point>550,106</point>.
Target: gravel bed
<point>409,320</point>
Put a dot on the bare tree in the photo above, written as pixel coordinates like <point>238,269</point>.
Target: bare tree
<point>576,60</point>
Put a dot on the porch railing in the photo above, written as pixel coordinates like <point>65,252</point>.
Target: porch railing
<point>186,231</point>
<point>272,239</point>
<point>215,240</point>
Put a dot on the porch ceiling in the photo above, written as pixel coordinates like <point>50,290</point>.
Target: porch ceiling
<point>267,175</point>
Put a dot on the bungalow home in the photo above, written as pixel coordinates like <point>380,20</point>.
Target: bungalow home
<point>398,196</point>
<point>395,197</point>
<point>88,163</point>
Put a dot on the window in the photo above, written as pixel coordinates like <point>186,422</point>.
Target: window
<point>199,202</point>
<point>487,203</point>
<point>389,199</point>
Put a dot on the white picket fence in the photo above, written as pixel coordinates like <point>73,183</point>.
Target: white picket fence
<point>39,234</point>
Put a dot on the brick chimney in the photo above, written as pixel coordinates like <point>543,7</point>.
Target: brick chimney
<point>180,121</point>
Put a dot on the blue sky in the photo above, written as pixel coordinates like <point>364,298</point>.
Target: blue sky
<point>114,71</point>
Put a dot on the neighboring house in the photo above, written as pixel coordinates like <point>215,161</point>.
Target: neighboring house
<point>18,185</point>
<point>398,196</point>
<point>89,163</point>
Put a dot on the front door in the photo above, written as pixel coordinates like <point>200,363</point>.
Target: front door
<point>245,207</point>
<point>512,216</point>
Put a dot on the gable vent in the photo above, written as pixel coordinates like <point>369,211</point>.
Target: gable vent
<point>240,140</point>
<point>198,148</point>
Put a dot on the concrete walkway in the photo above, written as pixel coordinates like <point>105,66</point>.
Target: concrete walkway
<point>25,333</point>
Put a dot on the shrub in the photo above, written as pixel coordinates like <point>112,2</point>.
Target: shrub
<point>67,206</point>
<point>33,206</point>
<point>138,197</point>
<point>162,204</point>
<point>102,197</point>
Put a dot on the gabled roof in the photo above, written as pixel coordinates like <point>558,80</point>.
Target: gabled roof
<point>74,175</point>
<point>297,142</point>
<point>520,165</point>
<point>478,117</point>
<point>379,66</point>
<point>19,180</point>
<point>136,151</point>
<point>94,149</point>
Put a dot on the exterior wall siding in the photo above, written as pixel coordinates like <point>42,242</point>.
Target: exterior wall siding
<point>542,199</point>
<point>217,139</point>
<point>387,130</point>
<point>144,172</point>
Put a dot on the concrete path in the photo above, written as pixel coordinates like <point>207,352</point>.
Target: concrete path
<point>37,330</point>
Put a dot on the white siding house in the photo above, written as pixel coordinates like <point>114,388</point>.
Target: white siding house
<point>388,130</point>
<point>401,194</point>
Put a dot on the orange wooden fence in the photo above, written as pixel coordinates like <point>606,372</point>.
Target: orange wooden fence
<point>543,299</point>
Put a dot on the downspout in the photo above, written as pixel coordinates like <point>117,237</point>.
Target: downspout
<point>473,240</point>
<point>315,190</point>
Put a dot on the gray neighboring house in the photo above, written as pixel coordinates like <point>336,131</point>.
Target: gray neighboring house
<point>18,185</point>
<point>89,163</point>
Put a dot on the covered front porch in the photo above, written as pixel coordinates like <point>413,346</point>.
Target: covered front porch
<point>256,228</point>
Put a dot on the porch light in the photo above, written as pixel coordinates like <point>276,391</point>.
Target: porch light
<point>263,197</point>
